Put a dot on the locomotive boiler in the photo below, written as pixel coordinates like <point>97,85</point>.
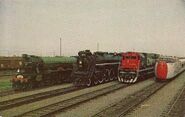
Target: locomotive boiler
<point>95,68</point>
<point>39,71</point>
<point>135,66</point>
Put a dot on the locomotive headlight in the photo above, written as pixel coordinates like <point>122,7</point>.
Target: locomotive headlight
<point>18,70</point>
<point>20,76</point>
<point>80,62</point>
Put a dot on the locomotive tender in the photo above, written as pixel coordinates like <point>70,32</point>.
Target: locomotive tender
<point>95,68</point>
<point>135,66</point>
<point>39,71</point>
<point>168,67</point>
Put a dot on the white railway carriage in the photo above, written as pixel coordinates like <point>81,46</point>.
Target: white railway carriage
<point>169,67</point>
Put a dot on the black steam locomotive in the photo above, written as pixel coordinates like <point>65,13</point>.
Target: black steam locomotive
<point>95,68</point>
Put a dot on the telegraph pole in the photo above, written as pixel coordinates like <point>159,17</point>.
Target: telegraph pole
<point>60,46</point>
<point>97,46</point>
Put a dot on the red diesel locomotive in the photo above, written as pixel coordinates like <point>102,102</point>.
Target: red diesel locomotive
<point>135,66</point>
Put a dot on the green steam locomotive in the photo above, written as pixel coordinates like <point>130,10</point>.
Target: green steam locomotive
<point>38,71</point>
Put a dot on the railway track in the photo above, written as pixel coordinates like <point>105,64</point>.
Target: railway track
<point>177,106</point>
<point>35,97</point>
<point>52,109</point>
<point>129,103</point>
<point>7,92</point>
<point>11,91</point>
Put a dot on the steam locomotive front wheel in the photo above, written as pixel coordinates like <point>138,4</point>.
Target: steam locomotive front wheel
<point>95,78</point>
<point>111,74</point>
<point>89,82</point>
<point>95,81</point>
<point>15,86</point>
<point>77,82</point>
<point>106,75</point>
<point>101,78</point>
<point>30,86</point>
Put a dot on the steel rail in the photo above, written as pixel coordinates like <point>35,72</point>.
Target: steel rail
<point>177,106</point>
<point>60,106</point>
<point>35,97</point>
<point>126,105</point>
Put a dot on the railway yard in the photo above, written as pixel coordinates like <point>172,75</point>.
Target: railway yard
<point>146,98</point>
<point>92,58</point>
<point>98,84</point>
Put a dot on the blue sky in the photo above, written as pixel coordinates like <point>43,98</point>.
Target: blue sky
<point>34,27</point>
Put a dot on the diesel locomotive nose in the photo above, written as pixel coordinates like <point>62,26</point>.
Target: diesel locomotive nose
<point>161,70</point>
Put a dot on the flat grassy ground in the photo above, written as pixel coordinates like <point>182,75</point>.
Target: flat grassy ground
<point>5,82</point>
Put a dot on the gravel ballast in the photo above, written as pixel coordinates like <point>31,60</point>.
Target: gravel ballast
<point>35,91</point>
<point>94,106</point>
<point>28,107</point>
<point>157,104</point>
